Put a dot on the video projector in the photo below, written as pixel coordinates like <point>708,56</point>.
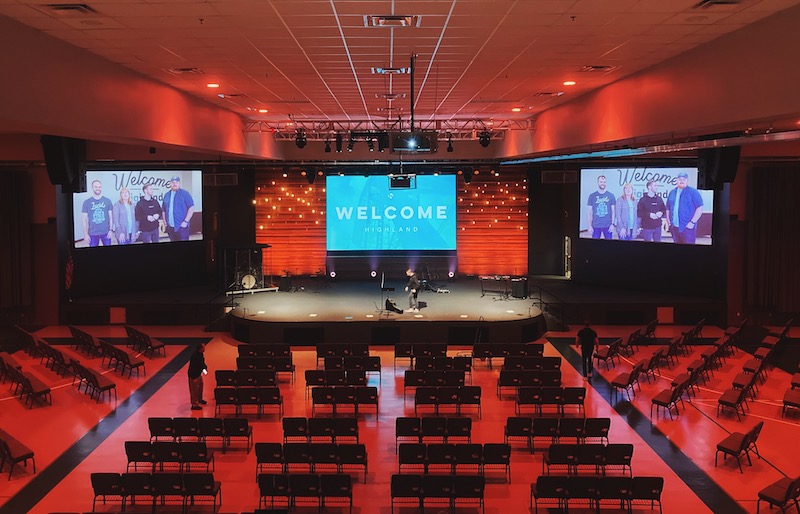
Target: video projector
<point>415,142</point>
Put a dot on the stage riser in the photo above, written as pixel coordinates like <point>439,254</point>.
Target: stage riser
<point>387,332</point>
<point>141,314</point>
<point>394,268</point>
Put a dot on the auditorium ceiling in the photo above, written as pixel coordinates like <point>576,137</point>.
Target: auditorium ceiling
<point>351,60</point>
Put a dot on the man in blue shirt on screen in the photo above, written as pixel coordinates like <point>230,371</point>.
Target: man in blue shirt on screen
<point>178,209</point>
<point>684,208</point>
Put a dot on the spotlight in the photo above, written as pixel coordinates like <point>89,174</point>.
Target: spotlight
<point>327,146</point>
<point>449,145</point>
<point>373,273</point>
<point>351,143</point>
<point>467,177</point>
<point>451,274</point>
<point>300,138</point>
<point>309,175</point>
<point>338,143</point>
<point>371,144</point>
<point>333,274</point>
<point>484,138</point>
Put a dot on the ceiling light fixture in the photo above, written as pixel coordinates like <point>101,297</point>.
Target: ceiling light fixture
<point>300,138</point>
<point>338,143</point>
<point>212,85</point>
<point>569,82</point>
<point>327,146</point>
<point>484,138</point>
<point>516,109</point>
<point>449,142</point>
<point>352,143</point>
<point>263,111</point>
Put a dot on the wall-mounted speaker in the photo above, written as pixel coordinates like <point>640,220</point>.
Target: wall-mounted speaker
<point>717,166</point>
<point>65,159</point>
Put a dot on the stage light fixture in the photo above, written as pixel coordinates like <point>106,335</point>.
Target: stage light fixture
<point>309,175</point>
<point>451,274</point>
<point>371,144</point>
<point>373,273</point>
<point>332,274</point>
<point>467,177</point>
<point>351,143</point>
<point>327,146</point>
<point>338,143</point>
<point>449,145</point>
<point>300,138</point>
<point>484,138</point>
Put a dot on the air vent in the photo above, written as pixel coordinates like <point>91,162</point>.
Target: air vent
<point>705,4</point>
<point>390,96</point>
<point>390,71</point>
<point>70,9</point>
<point>221,179</point>
<point>549,93</point>
<point>392,21</point>
<point>231,95</point>
<point>559,177</point>
<point>390,109</point>
<point>591,68</point>
<point>186,71</point>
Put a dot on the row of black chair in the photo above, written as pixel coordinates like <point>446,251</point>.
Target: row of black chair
<point>241,397</point>
<point>444,429</point>
<point>439,490</point>
<point>159,453</point>
<point>513,362</point>
<point>120,358</point>
<point>25,385</point>
<point>186,488</point>
<point>452,458</point>
<point>413,378</point>
<point>52,358</point>
<point>14,452</point>
<point>288,489</point>
<point>341,350</point>
<point>264,350</point>
<point>431,363</point>
<point>95,384</point>
<point>143,343</point>
<point>558,397</point>
<point>489,351</point>
<point>246,378</point>
<point>516,378</point>
<point>337,377</point>
<point>313,429</point>
<point>370,364</point>
<point>413,351</point>
<point>277,364</point>
<point>349,397</point>
<point>597,457</point>
<point>556,429</point>
<point>202,429</point>
<point>457,396</point>
<point>85,342</point>
<point>312,457</point>
<point>594,490</point>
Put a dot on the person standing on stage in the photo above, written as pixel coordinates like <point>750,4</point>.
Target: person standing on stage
<point>413,289</point>
<point>587,341</point>
<point>197,368</point>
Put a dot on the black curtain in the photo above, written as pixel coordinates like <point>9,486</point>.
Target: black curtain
<point>16,216</point>
<point>773,254</point>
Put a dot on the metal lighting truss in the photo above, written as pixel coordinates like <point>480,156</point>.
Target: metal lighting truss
<point>447,130</point>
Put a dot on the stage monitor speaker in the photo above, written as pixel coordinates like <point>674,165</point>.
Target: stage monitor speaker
<point>285,284</point>
<point>65,159</point>
<point>717,166</point>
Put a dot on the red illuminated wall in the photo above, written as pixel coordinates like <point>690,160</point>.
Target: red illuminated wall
<point>492,223</point>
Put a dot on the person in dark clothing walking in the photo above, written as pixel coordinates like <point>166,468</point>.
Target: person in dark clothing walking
<point>197,368</point>
<point>413,289</point>
<point>587,341</point>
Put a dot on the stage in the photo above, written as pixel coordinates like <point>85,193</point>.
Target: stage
<point>313,311</point>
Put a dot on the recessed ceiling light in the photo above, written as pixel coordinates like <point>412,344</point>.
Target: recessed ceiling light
<point>263,111</point>
<point>392,21</point>
<point>569,82</point>
<point>212,85</point>
<point>390,71</point>
<point>516,109</point>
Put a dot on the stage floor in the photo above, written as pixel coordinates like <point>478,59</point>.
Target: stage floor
<point>363,301</point>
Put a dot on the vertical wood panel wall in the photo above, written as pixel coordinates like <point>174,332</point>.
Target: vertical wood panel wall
<point>492,223</point>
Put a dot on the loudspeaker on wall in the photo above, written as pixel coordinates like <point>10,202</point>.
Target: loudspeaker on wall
<point>65,159</point>
<point>717,166</point>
